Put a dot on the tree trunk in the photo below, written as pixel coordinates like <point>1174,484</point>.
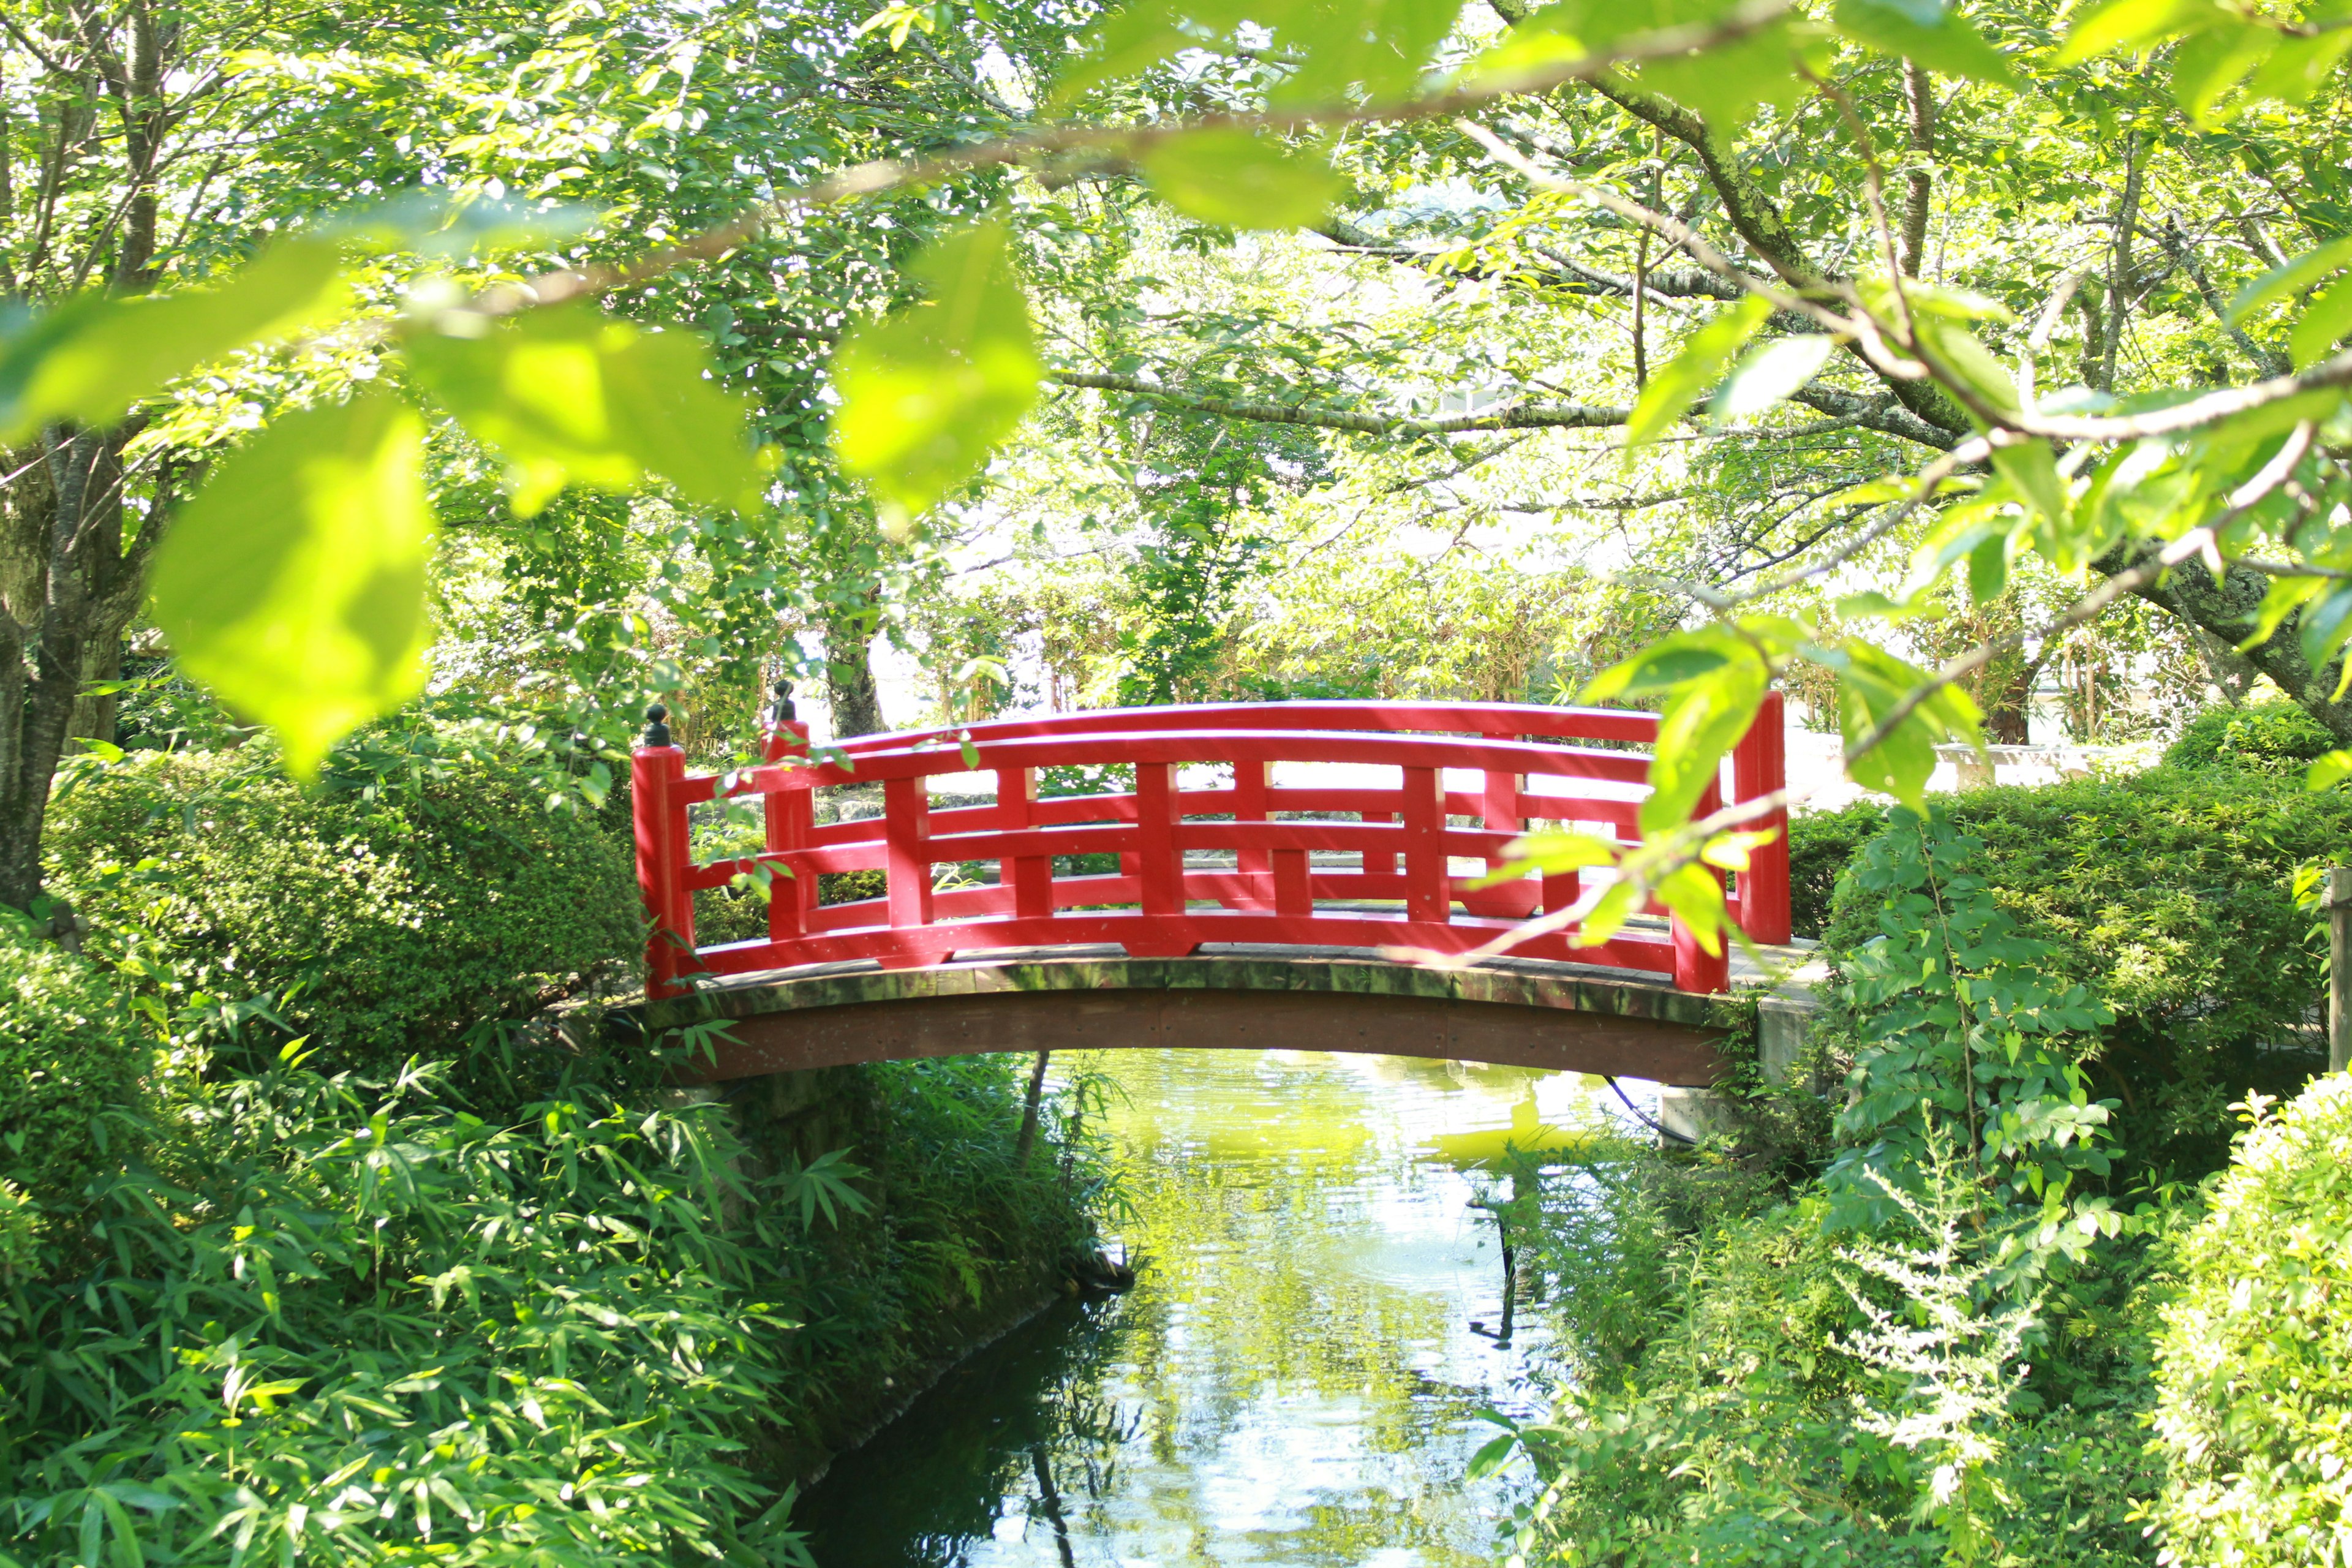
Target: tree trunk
<point>70,588</point>
<point>849,682</point>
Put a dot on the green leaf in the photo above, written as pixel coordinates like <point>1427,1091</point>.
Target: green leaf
<point>2328,771</point>
<point>293,585</point>
<point>572,396</point>
<point>90,360</point>
<point>927,392</point>
<point>1767,373</point>
<point>2297,66</point>
<point>2292,278</point>
<point>1724,84</point>
<point>1963,353</point>
<point>2324,323</point>
<point>2207,65</point>
<point>2135,25</point>
<point>1333,48</point>
<point>1873,683</point>
<point>1491,1456</point>
<point>1938,37</point>
<point>2031,470</point>
<point>1241,181</point>
<point>1703,718</point>
<point>1689,374</point>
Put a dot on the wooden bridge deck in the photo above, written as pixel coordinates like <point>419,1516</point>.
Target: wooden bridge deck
<point>1522,1012</point>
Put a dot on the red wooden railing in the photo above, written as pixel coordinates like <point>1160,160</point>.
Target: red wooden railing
<point>1403,890</point>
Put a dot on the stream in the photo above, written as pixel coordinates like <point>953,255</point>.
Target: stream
<point>1294,1379</point>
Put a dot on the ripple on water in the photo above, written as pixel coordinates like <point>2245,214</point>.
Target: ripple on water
<point>1294,1380</point>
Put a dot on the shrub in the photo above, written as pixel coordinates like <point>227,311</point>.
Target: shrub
<point>2170,895</point>
<point>69,1058</point>
<point>2255,1358</point>
<point>1822,844</point>
<point>2274,737</point>
<point>387,919</point>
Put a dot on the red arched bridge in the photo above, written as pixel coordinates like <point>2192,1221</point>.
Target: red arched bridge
<point>1242,889</point>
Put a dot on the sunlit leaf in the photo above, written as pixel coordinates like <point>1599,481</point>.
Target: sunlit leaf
<point>2294,278</point>
<point>1684,379</point>
<point>572,396</point>
<point>1938,37</point>
<point>1727,83</point>
<point>2207,65</point>
<point>2328,771</point>
<point>2297,66</point>
<point>2135,25</point>
<point>2323,324</point>
<point>1769,372</point>
<point>1241,181</point>
<point>90,360</point>
<point>293,585</point>
<point>1326,49</point>
<point>927,392</point>
<point>2031,469</point>
<point>1964,354</point>
<point>1871,685</point>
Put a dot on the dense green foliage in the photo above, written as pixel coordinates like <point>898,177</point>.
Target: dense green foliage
<point>382,915</point>
<point>2278,737</point>
<point>2255,1357</point>
<point>71,1068</point>
<point>2170,894</point>
<point>1934,1355</point>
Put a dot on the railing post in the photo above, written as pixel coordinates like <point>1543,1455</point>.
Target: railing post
<point>1759,766</point>
<point>906,808</point>
<point>1254,867</point>
<point>1155,823</point>
<point>1499,810</point>
<point>1427,897</point>
<point>788,814</point>
<point>656,770</point>
<point>1694,968</point>
<point>1031,876</point>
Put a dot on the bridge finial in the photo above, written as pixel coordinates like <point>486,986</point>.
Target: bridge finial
<point>783,708</point>
<point>657,726</point>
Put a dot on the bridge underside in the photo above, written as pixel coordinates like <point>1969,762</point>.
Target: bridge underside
<point>1517,1012</point>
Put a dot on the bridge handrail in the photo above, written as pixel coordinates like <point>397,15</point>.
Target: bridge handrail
<point>1404,840</point>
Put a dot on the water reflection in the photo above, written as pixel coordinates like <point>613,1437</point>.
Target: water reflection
<point>1296,1378</point>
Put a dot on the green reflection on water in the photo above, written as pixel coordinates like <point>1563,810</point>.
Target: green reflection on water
<point>1294,1380</point>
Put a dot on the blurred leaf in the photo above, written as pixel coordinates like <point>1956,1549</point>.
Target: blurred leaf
<point>1240,179</point>
<point>2031,469</point>
<point>1726,83</point>
<point>2294,278</point>
<point>1378,47</point>
<point>2207,65</point>
<point>293,585</point>
<point>2135,25</point>
<point>2324,323</point>
<point>1873,683</point>
<point>2297,66</point>
<point>1963,353</point>
<point>1768,374</point>
<point>2328,771</point>
<point>443,224</point>
<point>1491,1456</point>
<point>927,392</point>
<point>572,396</point>
<point>1938,37</point>
<point>1679,384</point>
<point>89,360</point>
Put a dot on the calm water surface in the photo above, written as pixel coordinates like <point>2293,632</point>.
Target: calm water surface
<point>1294,1380</point>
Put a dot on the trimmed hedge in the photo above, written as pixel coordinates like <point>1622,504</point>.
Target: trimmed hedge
<point>2169,894</point>
<point>2275,737</point>
<point>2255,1357</point>
<point>386,921</point>
<point>69,1054</point>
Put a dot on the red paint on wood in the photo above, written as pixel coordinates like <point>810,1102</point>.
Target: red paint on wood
<point>1187,875</point>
